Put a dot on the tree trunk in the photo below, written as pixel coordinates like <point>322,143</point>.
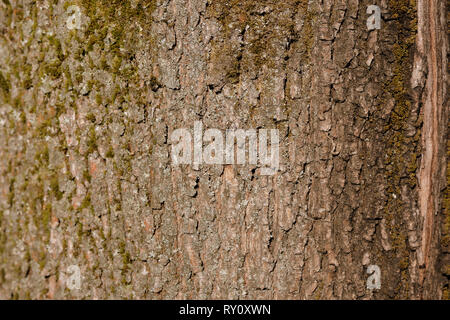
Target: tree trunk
<point>91,91</point>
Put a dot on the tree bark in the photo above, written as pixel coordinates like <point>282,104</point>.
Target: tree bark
<point>87,178</point>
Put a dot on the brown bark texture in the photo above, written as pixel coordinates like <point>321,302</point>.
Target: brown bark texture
<point>87,181</point>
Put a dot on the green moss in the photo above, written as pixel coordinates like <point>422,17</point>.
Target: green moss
<point>104,64</point>
<point>68,84</point>
<point>92,141</point>
<point>110,153</point>
<point>42,155</point>
<point>90,117</point>
<point>115,94</point>
<point>401,151</point>
<point>116,16</point>
<point>80,230</point>
<point>126,260</point>
<point>17,102</point>
<point>87,176</point>
<point>116,19</point>
<point>90,85</point>
<point>4,84</point>
<point>54,187</point>
<point>116,63</point>
<point>52,69</point>
<point>60,109</point>
<point>446,293</point>
<point>86,204</point>
<point>27,81</point>
<point>56,43</point>
<point>261,36</point>
<point>67,4</point>
<point>23,118</point>
<point>79,75</point>
<point>45,216</point>
<point>99,99</point>
<point>307,33</point>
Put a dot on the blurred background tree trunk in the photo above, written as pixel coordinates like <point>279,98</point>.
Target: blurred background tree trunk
<point>90,91</point>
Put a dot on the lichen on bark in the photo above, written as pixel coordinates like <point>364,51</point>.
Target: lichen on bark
<point>86,177</point>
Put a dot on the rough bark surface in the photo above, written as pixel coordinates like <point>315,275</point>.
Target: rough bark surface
<point>86,176</point>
